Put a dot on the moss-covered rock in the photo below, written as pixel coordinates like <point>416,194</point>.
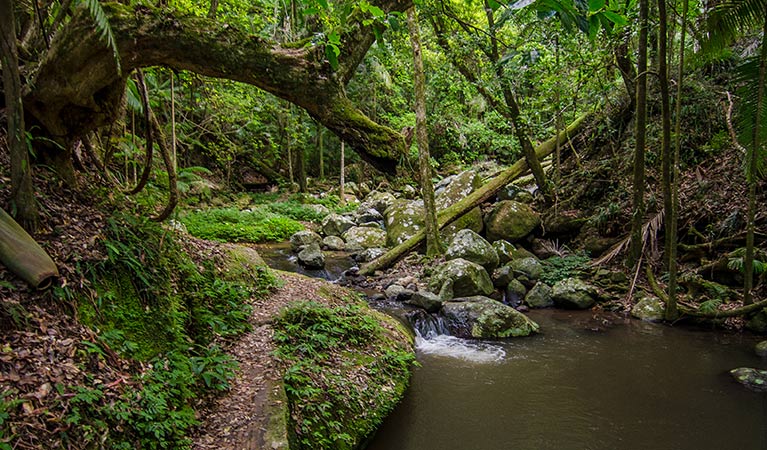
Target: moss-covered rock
<point>649,308</point>
<point>754,379</point>
<point>311,257</point>
<point>529,268</point>
<point>464,277</point>
<point>573,293</point>
<point>761,348</point>
<point>360,238</point>
<point>403,219</point>
<point>484,318</point>
<point>303,238</point>
<point>472,247</point>
<point>505,250</point>
<point>511,221</point>
<point>336,224</point>
<point>539,296</point>
<point>515,293</point>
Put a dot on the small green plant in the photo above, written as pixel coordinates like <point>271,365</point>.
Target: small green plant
<point>558,268</point>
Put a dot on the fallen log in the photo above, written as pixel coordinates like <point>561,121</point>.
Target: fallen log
<point>457,210</point>
<point>23,256</point>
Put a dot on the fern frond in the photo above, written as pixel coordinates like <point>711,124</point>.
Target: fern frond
<point>747,74</point>
<point>102,25</point>
<point>132,97</point>
<point>732,17</point>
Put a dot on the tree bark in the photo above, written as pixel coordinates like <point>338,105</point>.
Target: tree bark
<point>342,188</point>
<point>22,255</point>
<point>471,201</point>
<point>635,249</point>
<point>433,243</point>
<point>23,201</point>
<point>149,135</point>
<point>78,88</point>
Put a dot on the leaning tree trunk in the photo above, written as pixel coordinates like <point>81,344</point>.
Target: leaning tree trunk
<point>476,198</point>
<point>22,190</point>
<point>23,256</point>
<point>433,244</point>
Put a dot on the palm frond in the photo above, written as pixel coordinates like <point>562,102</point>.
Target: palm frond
<point>732,17</point>
<point>101,20</point>
<point>747,75</point>
<point>649,230</point>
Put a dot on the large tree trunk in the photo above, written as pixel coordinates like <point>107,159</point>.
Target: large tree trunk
<point>433,244</point>
<point>77,87</point>
<point>22,255</point>
<point>471,201</point>
<point>22,190</point>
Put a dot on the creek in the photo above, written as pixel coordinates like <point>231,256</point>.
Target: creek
<point>584,383</point>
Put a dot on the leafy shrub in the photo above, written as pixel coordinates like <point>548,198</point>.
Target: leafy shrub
<point>558,268</point>
<point>231,225</point>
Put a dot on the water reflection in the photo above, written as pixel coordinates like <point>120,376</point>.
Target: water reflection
<point>631,386</point>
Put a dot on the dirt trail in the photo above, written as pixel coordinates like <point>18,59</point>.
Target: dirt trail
<point>238,420</point>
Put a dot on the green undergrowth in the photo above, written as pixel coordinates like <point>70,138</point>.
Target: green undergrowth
<point>345,372</point>
<point>558,268</point>
<point>232,225</point>
<point>155,306</point>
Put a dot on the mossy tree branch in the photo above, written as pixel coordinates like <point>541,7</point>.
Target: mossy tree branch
<point>78,87</point>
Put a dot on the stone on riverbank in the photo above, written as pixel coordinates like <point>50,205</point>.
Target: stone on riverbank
<point>573,293</point>
<point>467,278</point>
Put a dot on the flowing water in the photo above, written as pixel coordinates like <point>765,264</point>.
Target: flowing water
<point>581,384</point>
<point>280,257</point>
<point>633,385</point>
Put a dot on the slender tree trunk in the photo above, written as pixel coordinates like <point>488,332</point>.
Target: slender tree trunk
<point>433,245</point>
<point>301,169</point>
<point>22,190</point>
<point>341,192</point>
<point>635,250</point>
<point>752,175</point>
<point>665,122</point>
<point>322,151</point>
<point>521,129</point>
<point>149,135</point>
<point>672,311</point>
<point>173,123</point>
<point>213,10</point>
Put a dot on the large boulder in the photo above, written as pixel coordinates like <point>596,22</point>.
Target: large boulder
<point>379,200</point>
<point>649,308</point>
<point>333,243</point>
<point>426,300</point>
<point>336,224</point>
<point>530,268</point>
<point>539,296</point>
<point>484,318</point>
<point>303,238</point>
<point>754,379</point>
<point>505,251</point>
<point>573,293</point>
<point>452,189</point>
<point>366,214</point>
<point>404,219</point>
<point>472,247</point>
<point>515,293</point>
<point>359,238</point>
<point>511,221</point>
<point>465,277</point>
<point>311,257</point>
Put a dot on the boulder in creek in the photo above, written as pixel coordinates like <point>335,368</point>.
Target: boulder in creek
<point>649,308</point>
<point>426,300</point>
<point>515,293</point>
<point>336,224</point>
<point>573,293</point>
<point>333,243</point>
<point>452,189</point>
<point>368,254</point>
<point>539,296</point>
<point>366,214</point>
<point>511,221</point>
<point>311,257</point>
<point>359,238</point>
<point>398,293</point>
<point>465,277</point>
<point>761,349</point>
<point>484,318</point>
<point>404,218</point>
<point>472,247</point>
<point>303,238</point>
<point>754,379</point>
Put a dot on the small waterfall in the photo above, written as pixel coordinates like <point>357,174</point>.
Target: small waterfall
<point>433,338</point>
